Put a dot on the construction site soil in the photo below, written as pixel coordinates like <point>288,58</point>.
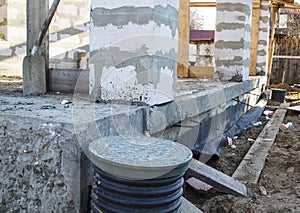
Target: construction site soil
<point>278,189</point>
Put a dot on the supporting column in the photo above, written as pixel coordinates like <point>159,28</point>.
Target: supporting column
<point>134,46</point>
<point>36,13</point>
<point>35,68</point>
<point>254,35</point>
<point>184,39</point>
<point>232,40</point>
<point>263,39</point>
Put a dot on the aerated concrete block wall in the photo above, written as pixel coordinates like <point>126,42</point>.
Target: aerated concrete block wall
<point>3,19</point>
<point>13,47</point>
<point>134,47</point>
<point>69,35</point>
<point>263,39</point>
<point>232,40</point>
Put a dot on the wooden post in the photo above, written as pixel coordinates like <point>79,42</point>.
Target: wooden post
<point>272,42</point>
<point>254,35</point>
<point>183,39</point>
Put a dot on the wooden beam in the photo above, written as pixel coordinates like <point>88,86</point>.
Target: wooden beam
<point>254,35</point>
<point>272,43</point>
<point>183,39</point>
<point>215,178</point>
<point>202,4</point>
<point>286,56</point>
<point>201,72</point>
<point>251,166</point>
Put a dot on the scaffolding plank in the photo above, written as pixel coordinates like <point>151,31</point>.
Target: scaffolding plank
<point>215,178</point>
<point>251,166</point>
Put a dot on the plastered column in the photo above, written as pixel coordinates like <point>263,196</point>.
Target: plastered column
<point>134,47</point>
<point>232,40</point>
<point>263,39</point>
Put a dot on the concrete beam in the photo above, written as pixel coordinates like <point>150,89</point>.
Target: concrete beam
<point>215,178</point>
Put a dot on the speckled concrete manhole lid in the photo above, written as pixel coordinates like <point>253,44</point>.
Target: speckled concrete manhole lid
<point>139,157</point>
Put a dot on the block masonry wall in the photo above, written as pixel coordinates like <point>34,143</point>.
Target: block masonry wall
<point>134,47</point>
<point>232,40</point>
<point>69,36</point>
<point>12,47</point>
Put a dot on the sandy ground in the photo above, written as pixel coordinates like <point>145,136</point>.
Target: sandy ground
<point>280,177</point>
<point>10,84</point>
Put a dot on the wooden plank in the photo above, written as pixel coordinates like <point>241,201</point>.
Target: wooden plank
<point>254,35</point>
<point>203,4</point>
<point>287,56</point>
<point>251,166</point>
<point>201,72</point>
<point>188,207</point>
<point>215,178</point>
<point>272,44</point>
<point>183,39</point>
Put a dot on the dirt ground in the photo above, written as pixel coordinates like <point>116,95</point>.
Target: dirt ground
<point>10,84</point>
<point>280,176</point>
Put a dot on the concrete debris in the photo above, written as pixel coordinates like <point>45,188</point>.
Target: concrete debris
<point>233,147</point>
<point>290,170</point>
<point>48,107</point>
<point>257,124</point>
<point>263,191</point>
<point>284,127</point>
<point>268,113</point>
<point>147,134</point>
<point>250,140</point>
<point>229,141</point>
<point>64,102</point>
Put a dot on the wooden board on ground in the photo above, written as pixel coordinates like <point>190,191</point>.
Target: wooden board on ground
<point>188,207</point>
<point>215,178</point>
<point>251,166</point>
<point>201,72</point>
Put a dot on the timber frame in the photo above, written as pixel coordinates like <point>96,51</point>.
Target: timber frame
<point>183,69</point>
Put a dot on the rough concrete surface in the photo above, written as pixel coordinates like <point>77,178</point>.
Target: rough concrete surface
<point>44,167</point>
